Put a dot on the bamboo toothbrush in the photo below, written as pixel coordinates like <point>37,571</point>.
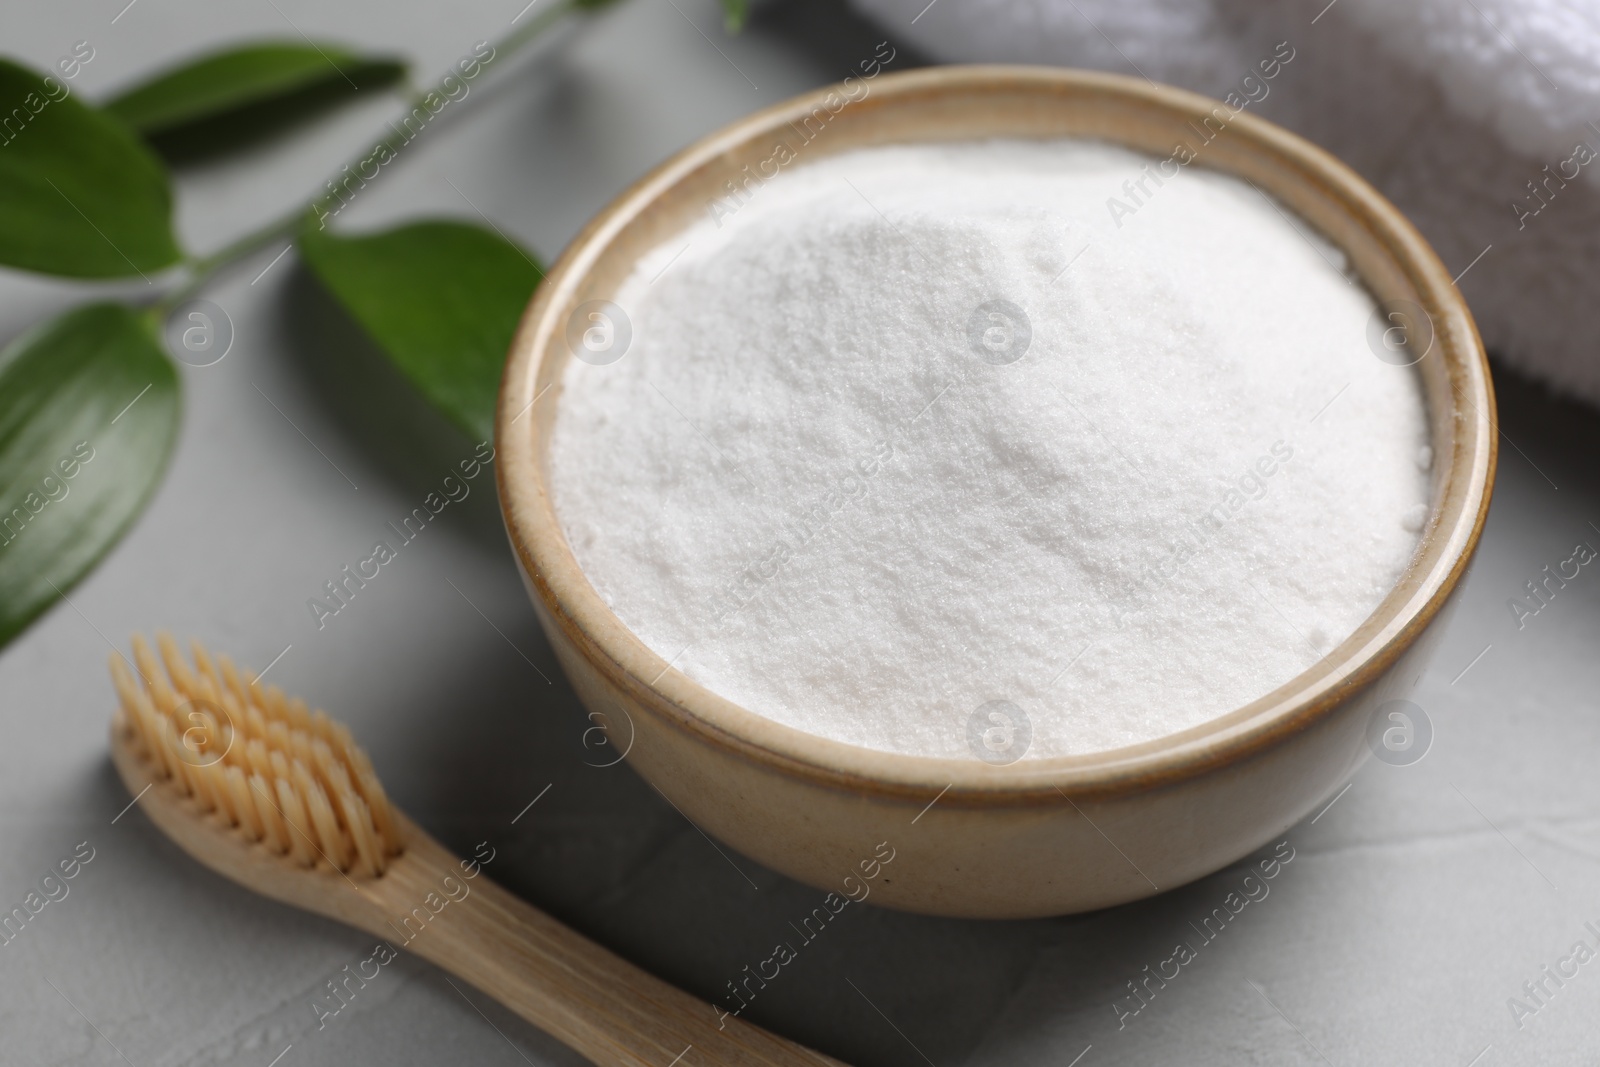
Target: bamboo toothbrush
<point>281,800</point>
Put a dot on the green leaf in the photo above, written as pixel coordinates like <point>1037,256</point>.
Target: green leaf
<point>441,298</point>
<point>79,194</point>
<point>88,415</point>
<point>734,14</point>
<point>223,100</point>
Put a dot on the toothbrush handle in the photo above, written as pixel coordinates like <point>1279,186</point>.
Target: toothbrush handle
<point>586,996</point>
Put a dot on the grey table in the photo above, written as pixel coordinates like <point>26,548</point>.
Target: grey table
<point>1414,909</point>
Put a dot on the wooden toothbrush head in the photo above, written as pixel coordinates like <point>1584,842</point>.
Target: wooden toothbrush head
<point>251,783</point>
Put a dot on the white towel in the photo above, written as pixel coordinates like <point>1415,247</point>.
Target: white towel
<point>1480,119</point>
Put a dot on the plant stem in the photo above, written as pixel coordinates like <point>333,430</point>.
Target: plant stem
<point>203,268</point>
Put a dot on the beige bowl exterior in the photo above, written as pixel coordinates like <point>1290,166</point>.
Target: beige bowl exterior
<point>1037,837</point>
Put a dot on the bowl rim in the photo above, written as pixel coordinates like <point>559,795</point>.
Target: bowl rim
<point>569,602</point>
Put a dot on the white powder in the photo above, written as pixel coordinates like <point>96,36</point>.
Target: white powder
<point>815,486</point>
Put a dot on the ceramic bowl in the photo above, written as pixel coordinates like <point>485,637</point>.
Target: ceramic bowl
<point>1040,836</point>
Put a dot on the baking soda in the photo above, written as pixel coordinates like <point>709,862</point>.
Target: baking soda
<point>923,435</point>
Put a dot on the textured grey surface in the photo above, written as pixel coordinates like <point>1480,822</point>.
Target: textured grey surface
<point>1413,909</point>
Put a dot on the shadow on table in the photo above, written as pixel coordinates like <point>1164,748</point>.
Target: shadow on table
<point>377,409</point>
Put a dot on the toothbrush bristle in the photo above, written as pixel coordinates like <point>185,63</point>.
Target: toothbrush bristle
<point>292,779</point>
